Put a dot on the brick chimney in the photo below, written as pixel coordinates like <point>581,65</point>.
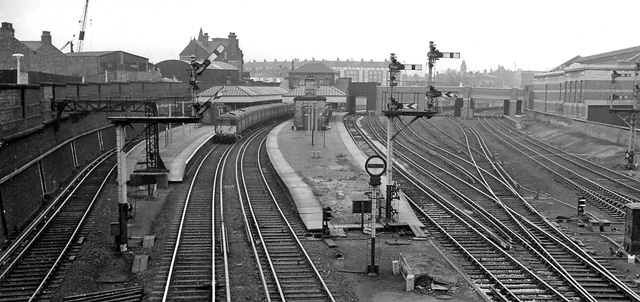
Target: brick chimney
<point>46,38</point>
<point>233,49</point>
<point>6,31</point>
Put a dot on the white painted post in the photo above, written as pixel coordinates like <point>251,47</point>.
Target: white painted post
<point>18,56</point>
<point>122,185</point>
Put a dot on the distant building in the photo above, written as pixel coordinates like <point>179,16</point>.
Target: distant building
<point>203,47</point>
<point>111,66</point>
<point>39,56</point>
<point>357,71</point>
<point>332,96</point>
<point>587,87</point>
<point>94,66</point>
<point>316,72</point>
<point>217,73</point>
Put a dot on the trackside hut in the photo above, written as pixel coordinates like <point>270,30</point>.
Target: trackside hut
<point>310,108</point>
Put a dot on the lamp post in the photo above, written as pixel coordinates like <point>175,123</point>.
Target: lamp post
<point>18,56</point>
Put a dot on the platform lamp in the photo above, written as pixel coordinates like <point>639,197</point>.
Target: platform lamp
<point>18,56</point>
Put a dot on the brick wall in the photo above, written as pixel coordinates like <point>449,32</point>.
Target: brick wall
<point>10,46</point>
<point>34,153</point>
<point>21,199</point>
<point>49,59</point>
<point>26,118</point>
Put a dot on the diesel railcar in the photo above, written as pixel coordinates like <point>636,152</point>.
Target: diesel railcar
<point>230,126</point>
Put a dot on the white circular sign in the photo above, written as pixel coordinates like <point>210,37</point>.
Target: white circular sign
<point>375,165</point>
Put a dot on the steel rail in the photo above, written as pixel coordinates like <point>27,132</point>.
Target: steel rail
<point>473,228</point>
<point>248,229</point>
<point>584,257</point>
<point>500,227</point>
<point>304,251</point>
<point>224,244</point>
<point>532,238</point>
<point>181,225</point>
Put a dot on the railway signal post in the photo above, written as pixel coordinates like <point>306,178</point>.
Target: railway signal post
<point>395,108</point>
<point>628,115</point>
<point>375,166</point>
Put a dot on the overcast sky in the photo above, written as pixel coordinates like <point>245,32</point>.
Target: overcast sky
<point>529,35</point>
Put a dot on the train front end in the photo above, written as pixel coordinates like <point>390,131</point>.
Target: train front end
<point>226,129</point>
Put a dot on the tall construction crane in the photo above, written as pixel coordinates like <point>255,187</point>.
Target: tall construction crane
<point>83,25</point>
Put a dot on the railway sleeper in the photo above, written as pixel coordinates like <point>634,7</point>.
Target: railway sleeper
<point>305,275</point>
<point>298,282</point>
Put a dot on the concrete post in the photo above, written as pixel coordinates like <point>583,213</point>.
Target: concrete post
<point>18,56</point>
<point>122,186</point>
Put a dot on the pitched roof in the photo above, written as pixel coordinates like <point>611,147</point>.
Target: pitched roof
<point>622,55</point>
<point>34,45</point>
<point>313,68</point>
<point>320,91</point>
<point>221,66</point>
<point>342,84</point>
<point>100,54</point>
<point>90,53</point>
<point>331,64</point>
<point>234,91</point>
<point>630,55</point>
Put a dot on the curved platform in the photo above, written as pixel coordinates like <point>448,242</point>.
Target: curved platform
<point>299,154</point>
<point>177,148</point>
<point>308,207</point>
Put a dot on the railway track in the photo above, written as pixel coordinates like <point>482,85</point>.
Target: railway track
<point>606,189</point>
<point>30,268</point>
<point>186,268</point>
<point>287,270</point>
<point>534,265</point>
<point>230,215</point>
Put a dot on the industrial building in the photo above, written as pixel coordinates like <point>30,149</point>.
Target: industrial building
<point>587,87</point>
<point>43,62</point>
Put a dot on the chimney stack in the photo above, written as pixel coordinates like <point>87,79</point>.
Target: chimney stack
<point>233,49</point>
<point>6,31</point>
<point>46,38</point>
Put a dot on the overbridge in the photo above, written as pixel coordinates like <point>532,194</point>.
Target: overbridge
<point>469,99</point>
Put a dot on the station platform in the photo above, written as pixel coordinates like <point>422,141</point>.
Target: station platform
<point>289,156</point>
<point>176,150</point>
<point>177,147</point>
<point>289,151</point>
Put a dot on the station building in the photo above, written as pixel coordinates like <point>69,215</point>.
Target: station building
<point>317,72</point>
<point>587,87</point>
